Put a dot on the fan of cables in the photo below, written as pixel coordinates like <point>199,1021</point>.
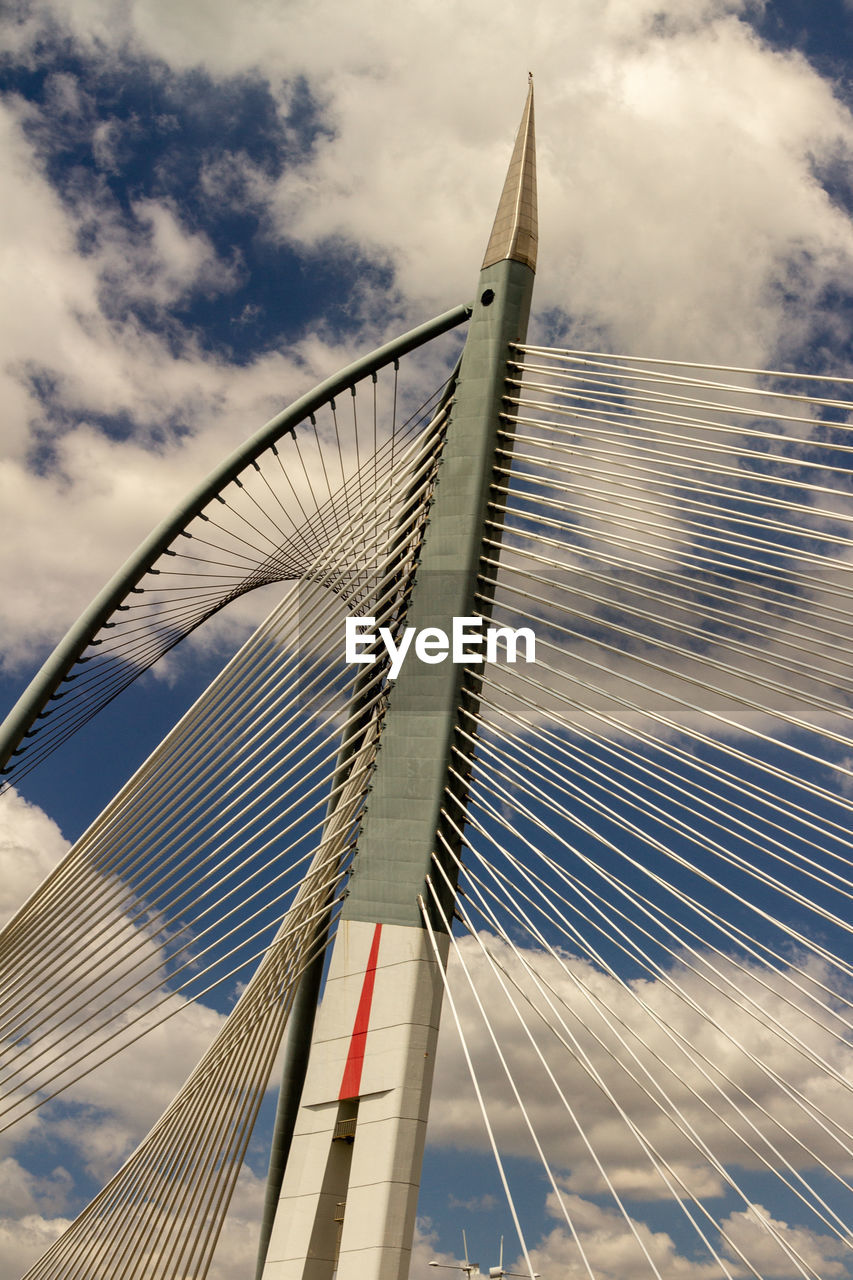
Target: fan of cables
<point>652,934</point>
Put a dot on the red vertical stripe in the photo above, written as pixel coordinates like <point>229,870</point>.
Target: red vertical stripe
<point>351,1082</point>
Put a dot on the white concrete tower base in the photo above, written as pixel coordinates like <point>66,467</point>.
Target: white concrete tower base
<point>350,1191</point>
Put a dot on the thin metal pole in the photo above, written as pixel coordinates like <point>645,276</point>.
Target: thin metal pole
<point>300,1029</point>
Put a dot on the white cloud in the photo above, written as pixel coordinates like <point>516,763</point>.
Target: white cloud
<point>614,1248</point>
<point>22,1194</point>
<point>676,153</point>
<point>676,165</point>
<point>425,1250</point>
<point>164,263</point>
<point>81,511</point>
<point>107,1119</point>
<point>30,846</point>
<point>104,1115</point>
<point>614,1253</point>
<point>825,1254</point>
<point>238,1243</point>
<point>676,150</point>
<point>678,195</point>
<point>735,1022</point>
<point>24,1240</point>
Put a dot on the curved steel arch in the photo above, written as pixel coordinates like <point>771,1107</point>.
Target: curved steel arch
<point>57,666</point>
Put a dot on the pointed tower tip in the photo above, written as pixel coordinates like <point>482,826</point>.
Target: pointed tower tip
<point>515,234</point>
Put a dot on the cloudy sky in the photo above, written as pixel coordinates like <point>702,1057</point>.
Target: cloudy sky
<point>208,207</point>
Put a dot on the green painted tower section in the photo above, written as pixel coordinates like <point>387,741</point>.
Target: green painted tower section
<point>408,793</point>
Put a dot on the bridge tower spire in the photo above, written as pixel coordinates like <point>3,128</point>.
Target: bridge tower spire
<point>349,1192</point>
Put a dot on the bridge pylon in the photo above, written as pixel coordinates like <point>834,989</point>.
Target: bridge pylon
<point>350,1187</point>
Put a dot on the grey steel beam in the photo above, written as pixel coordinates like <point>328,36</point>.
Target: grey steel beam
<point>300,1028</point>
<point>45,683</point>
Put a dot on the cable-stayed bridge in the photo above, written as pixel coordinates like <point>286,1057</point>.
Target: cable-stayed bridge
<point>618,861</point>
